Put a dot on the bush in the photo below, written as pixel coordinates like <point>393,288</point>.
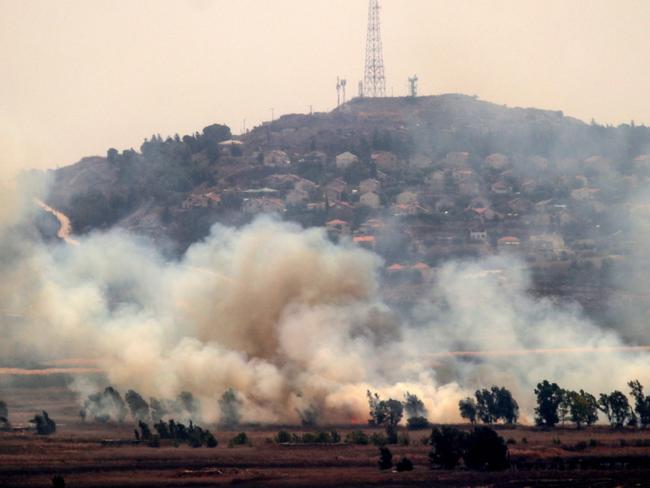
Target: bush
<point>404,465</point>
<point>385,458</point>
<point>211,441</point>
<point>283,437</point>
<point>378,439</point>
<point>417,423</point>
<point>357,437</point>
<point>403,440</point>
<point>58,482</point>
<point>486,450</point>
<point>336,437</point>
<point>447,447</point>
<point>44,424</point>
<point>511,441</point>
<point>154,441</point>
<point>240,439</point>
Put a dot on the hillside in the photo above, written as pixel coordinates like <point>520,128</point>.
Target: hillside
<point>152,191</point>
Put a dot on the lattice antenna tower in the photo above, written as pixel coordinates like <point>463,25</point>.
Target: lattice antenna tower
<point>374,77</point>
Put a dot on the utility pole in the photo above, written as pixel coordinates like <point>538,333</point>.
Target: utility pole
<point>343,84</point>
<point>272,114</point>
<point>338,91</point>
<point>374,78</point>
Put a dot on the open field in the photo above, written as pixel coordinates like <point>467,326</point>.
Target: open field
<point>539,458</point>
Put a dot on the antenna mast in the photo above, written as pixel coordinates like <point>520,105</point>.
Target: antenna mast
<point>413,86</point>
<point>374,79</point>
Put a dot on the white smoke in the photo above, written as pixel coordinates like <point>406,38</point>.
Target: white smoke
<point>287,319</point>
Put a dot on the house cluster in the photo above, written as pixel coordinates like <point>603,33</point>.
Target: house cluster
<point>459,205</point>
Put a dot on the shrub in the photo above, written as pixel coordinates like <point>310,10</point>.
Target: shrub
<point>211,441</point>
<point>240,439</point>
<point>154,441</point>
<point>323,438</point>
<point>357,437</point>
<point>378,439</point>
<point>385,458</point>
<point>580,446</point>
<point>511,441</point>
<point>283,437</point>
<point>336,437</point>
<point>447,447</point>
<point>593,443</point>
<point>58,482</point>
<point>404,440</point>
<point>486,450</point>
<point>404,465</point>
<point>417,423</point>
<point>44,424</point>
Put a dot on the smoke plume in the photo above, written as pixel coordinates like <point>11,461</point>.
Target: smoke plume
<point>287,319</point>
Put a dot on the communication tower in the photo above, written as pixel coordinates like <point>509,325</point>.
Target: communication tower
<point>374,77</point>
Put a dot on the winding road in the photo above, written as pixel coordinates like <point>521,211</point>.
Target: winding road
<point>65,226</point>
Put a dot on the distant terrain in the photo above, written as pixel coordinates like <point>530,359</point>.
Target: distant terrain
<point>418,180</point>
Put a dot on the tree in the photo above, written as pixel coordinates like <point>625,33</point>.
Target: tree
<point>496,404</point>
<point>641,403</point>
<point>507,408</point>
<point>385,458</point>
<point>388,413</point>
<point>485,450</point>
<point>467,409</point>
<point>564,408</point>
<point>616,407</point>
<point>137,405</point>
<point>112,155</point>
<point>549,396</point>
<point>230,405</point>
<point>448,444</point>
<point>416,412</point>
<point>395,411</point>
<point>4,411</point>
<point>188,403</point>
<point>377,409</point>
<point>583,408</point>
<point>485,406</point>
<point>44,424</point>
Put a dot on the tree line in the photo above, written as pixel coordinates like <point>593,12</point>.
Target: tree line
<point>557,405</point>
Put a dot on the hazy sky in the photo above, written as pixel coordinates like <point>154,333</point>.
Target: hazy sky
<point>79,76</point>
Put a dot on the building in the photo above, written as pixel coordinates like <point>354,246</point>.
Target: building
<point>296,197</point>
<point>277,159</point>
<point>345,159</point>
<point>369,185</point>
<point>367,242</point>
<point>370,199</point>
<point>508,243</point>
<point>338,227</point>
<point>255,206</point>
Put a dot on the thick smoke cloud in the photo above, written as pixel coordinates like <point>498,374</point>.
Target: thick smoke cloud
<point>287,319</point>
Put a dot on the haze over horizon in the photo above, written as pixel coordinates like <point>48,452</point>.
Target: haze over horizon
<point>82,76</point>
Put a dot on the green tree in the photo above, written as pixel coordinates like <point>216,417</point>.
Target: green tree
<point>416,412</point>
<point>467,409</point>
<point>485,450</point>
<point>641,403</point>
<point>485,406</point>
<point>549,396</point>
<point>583,408</point>
<point>616,407</point>
<point>448,446</point>
<point>507,408</point>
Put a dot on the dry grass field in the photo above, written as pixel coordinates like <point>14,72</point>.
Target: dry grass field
<point>539,458</point>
